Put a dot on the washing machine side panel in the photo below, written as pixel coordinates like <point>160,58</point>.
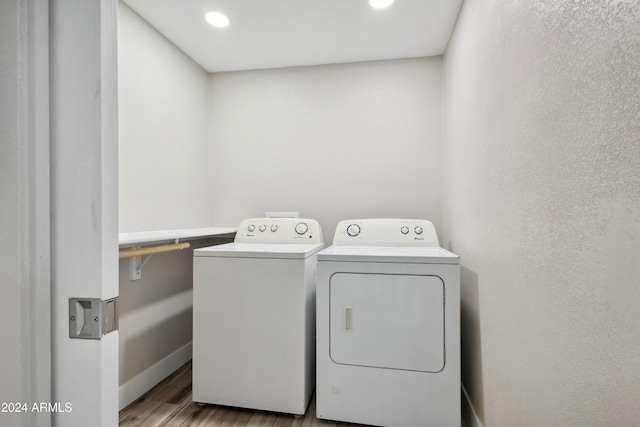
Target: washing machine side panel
<point>249,345</point>
<point>310,280</point>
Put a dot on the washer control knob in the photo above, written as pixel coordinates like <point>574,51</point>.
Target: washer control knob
<point>251,227</point>
<point>353,230</point>
<point>404,230</point>
<point>301,228</point>
<point>418,230</point>
<point>274,227</point>
<point>262,227</point>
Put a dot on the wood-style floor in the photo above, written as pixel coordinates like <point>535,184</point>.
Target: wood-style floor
<point>169,405</point>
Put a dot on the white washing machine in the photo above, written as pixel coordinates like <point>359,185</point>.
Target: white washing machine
<point>388,326</point>
<point>254,316</point>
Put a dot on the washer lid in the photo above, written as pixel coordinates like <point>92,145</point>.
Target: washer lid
<point>416,255</point>
<point>260,250</point>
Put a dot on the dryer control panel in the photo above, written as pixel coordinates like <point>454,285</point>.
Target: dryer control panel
<point>279,230</point>
<point>386,232</point>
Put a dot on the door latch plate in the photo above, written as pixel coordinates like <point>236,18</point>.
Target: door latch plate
<point>91,318</point>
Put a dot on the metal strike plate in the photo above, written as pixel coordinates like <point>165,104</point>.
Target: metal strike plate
<point>91,318</point>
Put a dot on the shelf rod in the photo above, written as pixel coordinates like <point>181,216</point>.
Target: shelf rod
<point>128,253</point>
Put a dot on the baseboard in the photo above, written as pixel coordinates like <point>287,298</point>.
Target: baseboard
<point>152,376</point>
<point>469,410</point>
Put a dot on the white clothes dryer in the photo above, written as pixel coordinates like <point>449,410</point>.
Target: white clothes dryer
<point>254,316</point>
<point>388,326</point>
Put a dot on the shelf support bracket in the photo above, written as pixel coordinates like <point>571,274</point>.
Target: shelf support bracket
<point>135,267</point>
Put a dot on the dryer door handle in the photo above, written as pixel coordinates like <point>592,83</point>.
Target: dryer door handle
<point>347,318</point>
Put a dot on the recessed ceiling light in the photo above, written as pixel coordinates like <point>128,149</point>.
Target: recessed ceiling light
<point>217,19</point>
<point>380,4</point>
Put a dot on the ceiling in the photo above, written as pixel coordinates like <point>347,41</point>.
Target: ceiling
<point>286,33</point>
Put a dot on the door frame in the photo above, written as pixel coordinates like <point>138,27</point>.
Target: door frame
<point>84,204</point>
<point>60,222</point>
<point>25,221</point>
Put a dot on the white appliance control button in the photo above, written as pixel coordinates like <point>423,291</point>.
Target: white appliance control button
<point>301,228</point>
<point>404,230</point>
<point>418,230</point>
<point>274,227</point>
<point>262,227</point>
<point>353,230</point>
<point>251,227</point>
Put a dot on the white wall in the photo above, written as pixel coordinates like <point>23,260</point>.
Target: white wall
<point>542,202</point>
<point>332,142</point>
<point>163,131</point>
<point>164,152</point>
<point>152,325</point>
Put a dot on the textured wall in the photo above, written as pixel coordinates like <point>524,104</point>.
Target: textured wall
<point>163,131</point>
<point>542,202</point>
<point>332,142</point>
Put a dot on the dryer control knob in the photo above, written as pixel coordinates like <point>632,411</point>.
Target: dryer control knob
<point>251,227</point>
<point>404,230</point>
<point>274,227</point>
<point>353,230</point>
<point>262,227</point>
<point>301,228</point>
<point>418,230</point>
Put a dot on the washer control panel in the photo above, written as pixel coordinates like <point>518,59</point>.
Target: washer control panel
<point>386,232</point>
<point>279,230</point>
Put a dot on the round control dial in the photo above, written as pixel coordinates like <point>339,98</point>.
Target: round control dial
<point>404,230</point>
<point>418,230</point>
<point>301,228</point>
<point>251,227</point>
<point>274,227</point>
<point>353,230</point>
<point>262,227</point>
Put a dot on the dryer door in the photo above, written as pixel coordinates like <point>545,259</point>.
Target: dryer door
<point>387,321</point>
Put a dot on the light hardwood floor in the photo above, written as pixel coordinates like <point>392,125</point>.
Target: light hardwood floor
<point>169,405</point>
